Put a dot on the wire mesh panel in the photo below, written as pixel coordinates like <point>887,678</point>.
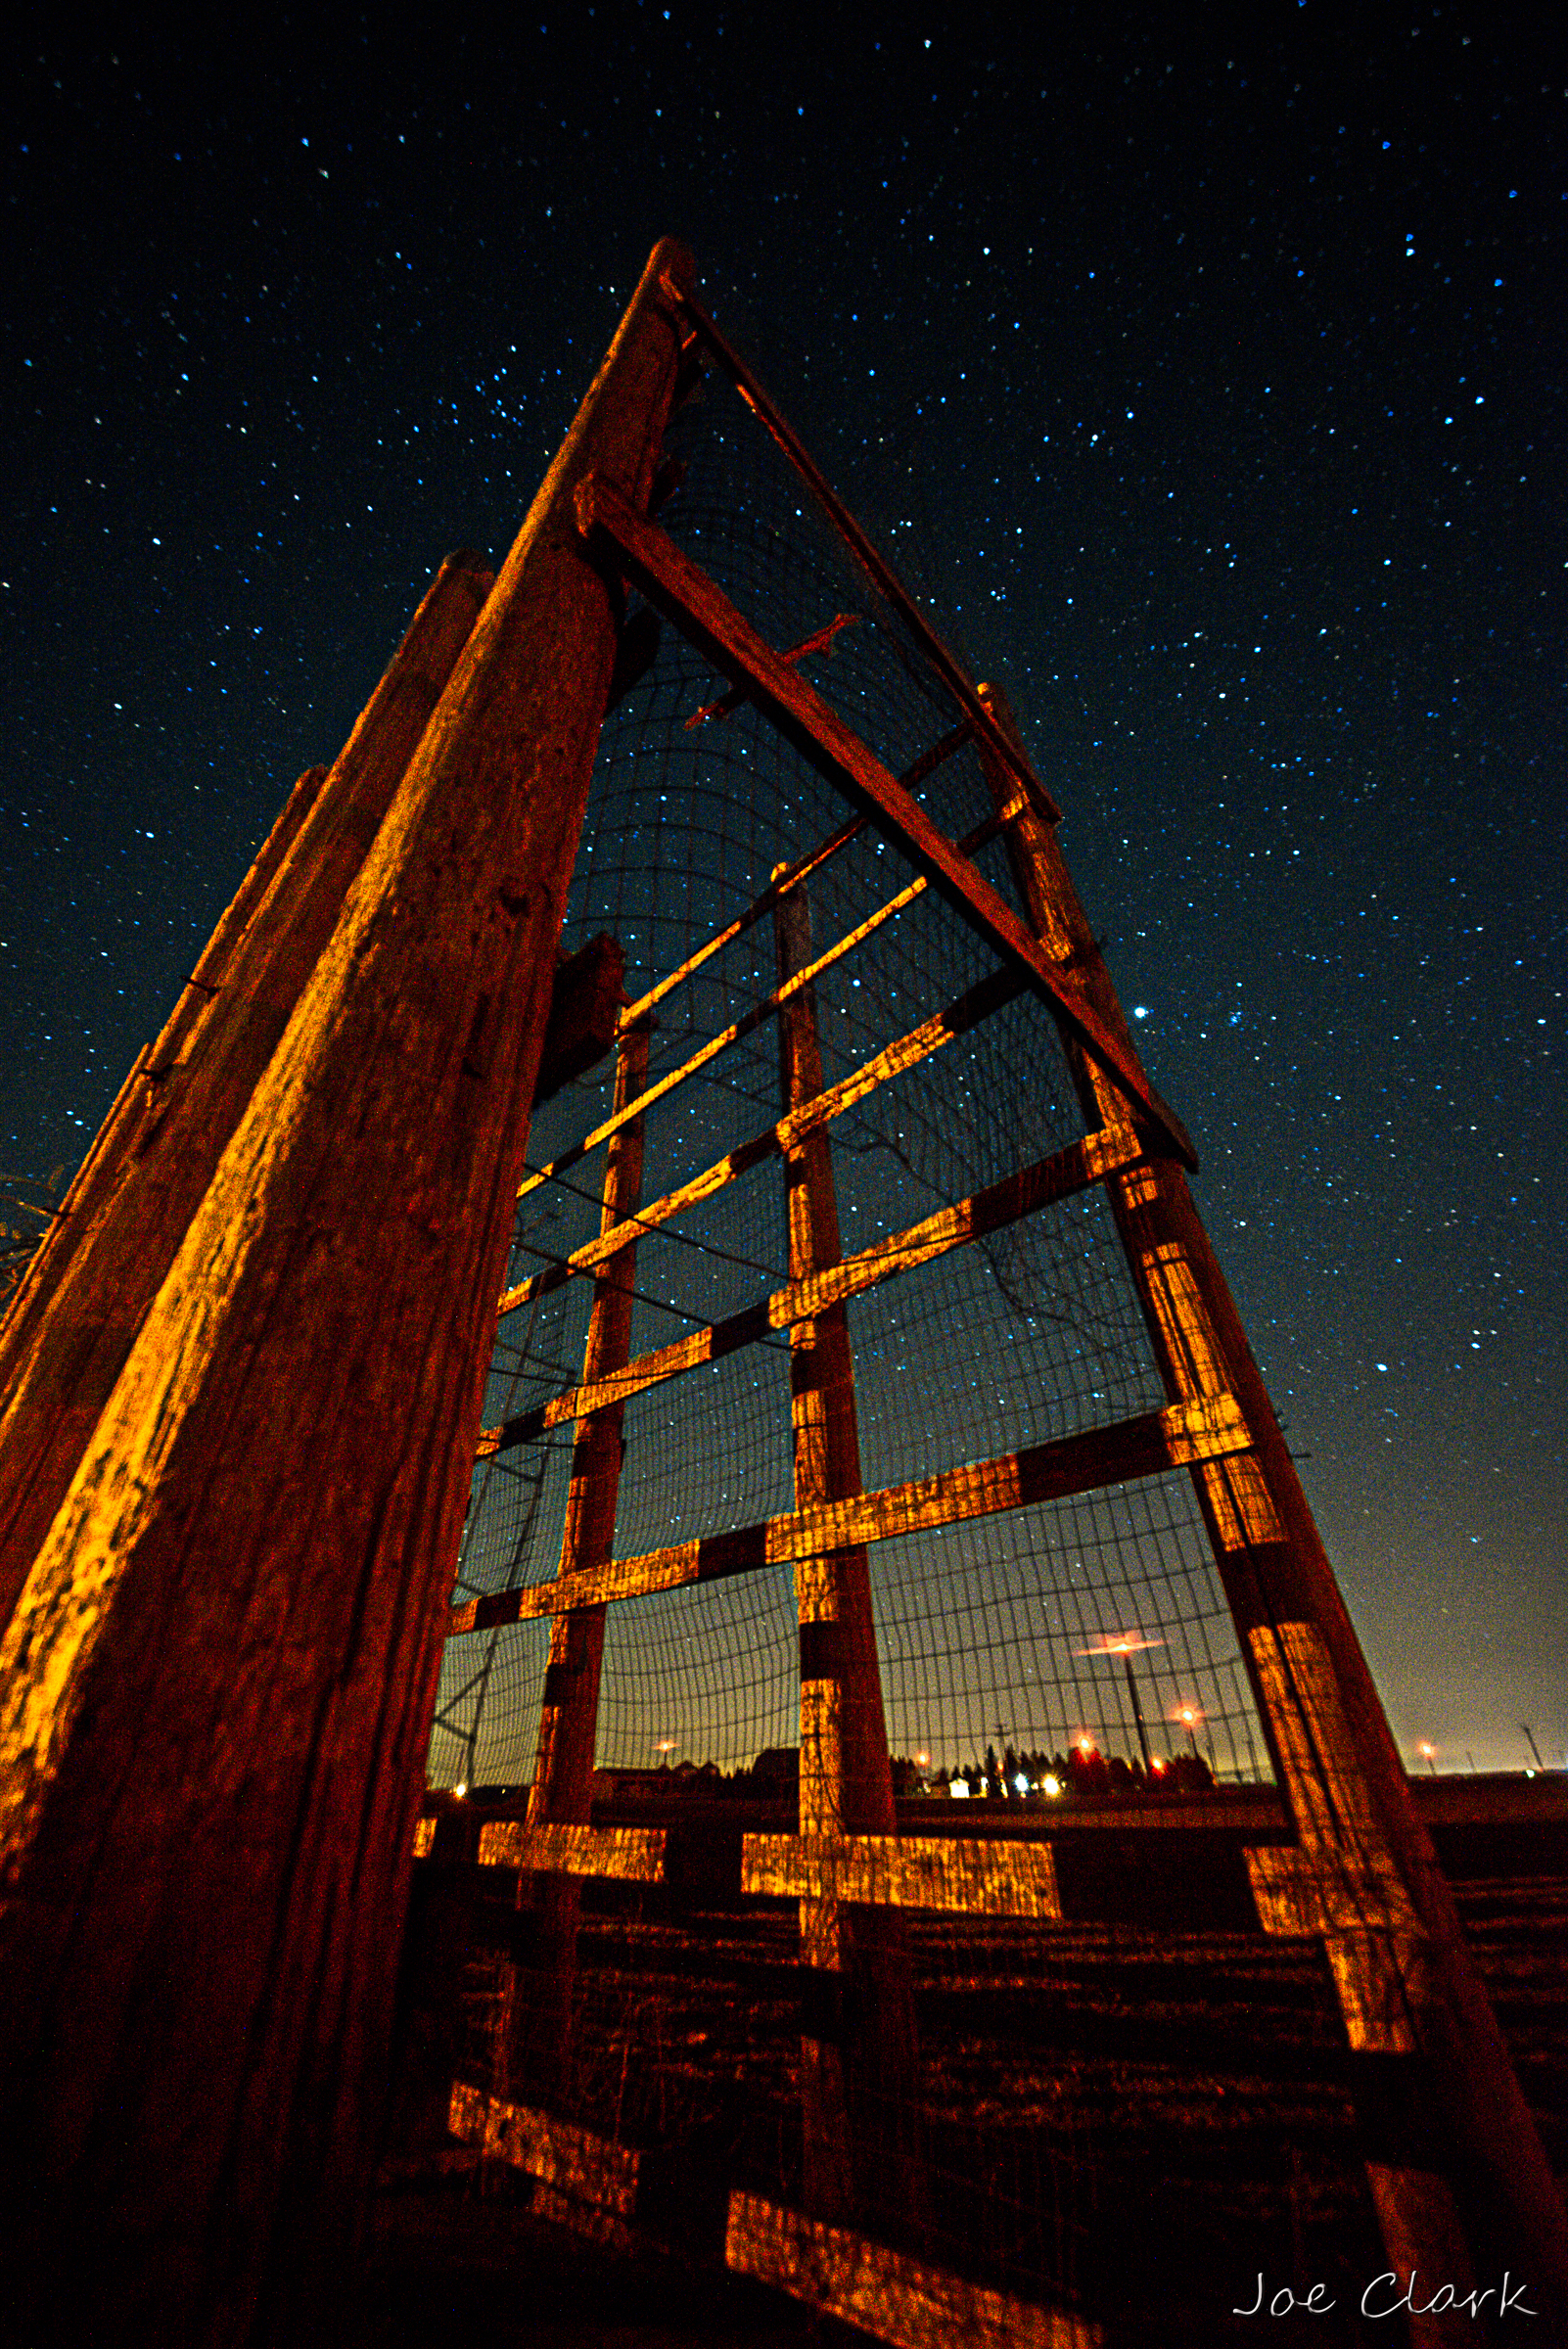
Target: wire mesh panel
<point>1050,1626</point>
<point>1033,1332</point>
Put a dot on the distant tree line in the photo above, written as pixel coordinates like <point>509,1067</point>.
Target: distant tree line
<point>1081,1770</point>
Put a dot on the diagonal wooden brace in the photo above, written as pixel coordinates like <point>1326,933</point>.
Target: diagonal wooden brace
<point>689,598</point>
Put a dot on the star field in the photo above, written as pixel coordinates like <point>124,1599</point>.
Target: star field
<point>1209,385</point>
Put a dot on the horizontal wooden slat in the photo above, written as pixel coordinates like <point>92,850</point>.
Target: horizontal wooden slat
<point>990,1210</point>
<point>976,1004</point>
<point>973,1877</point>
<point>885,2293</point>
<point>591,2168</point>
<point>689,598</point>
<point>618,2236</point>
<point>635,1855</point>
<point>752,1019</point>
<point>747,1025</point>
<point>792,875</point>
<point>1206,1429</point>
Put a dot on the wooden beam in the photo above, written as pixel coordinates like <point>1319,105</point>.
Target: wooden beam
<point>1058,1176</point>
<point>66,1343</point>
<point>584,1013</point>
<point>535,2051</point>
<point>1204,1430</point>
<point>563,1769</point>
<point>820,640</point>
<point>790,878</point>
<point>93,1184</point>
<point>770,898</point>
<point>973,1006</point>
<point>747,1025</point>
<point>1320,1712</point>
<point>969,1876</point>
<point>590,2168</point>
<point>745,920</point>
<point>630,1855</point>
<point>885,2293</point>
<point>855,2081</point>
<point>673,583</point>
<point>883,577</point>
<point>217,1686</point>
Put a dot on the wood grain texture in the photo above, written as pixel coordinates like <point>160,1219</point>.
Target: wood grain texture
<point>977,1003</point>
<point>220,1677</point>
<point>573,2161</point>
<point>887,2294</point>
<point>199,1078</point>
<point>95,1179</point>
<point>973,1878</point>
<point>1058,1176</point>
<point>535,2049</point>
<point>1277,1577</point>
<point>569,1710</point>
<point>686,596</point>
<point>708,1051</point>
<point>1147,1445</point>
<point>630,1855</point>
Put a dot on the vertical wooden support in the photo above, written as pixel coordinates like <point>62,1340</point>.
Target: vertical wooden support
<point>858,2048</point>
<point>218,1682</point>
<point>1397,1950</point>
<point>67,1345</point>
<point>538,2057</point>
<point>95,1179</point>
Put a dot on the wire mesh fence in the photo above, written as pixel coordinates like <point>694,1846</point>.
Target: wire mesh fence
<point>1034,1332</point>
<point>1072,1646</point>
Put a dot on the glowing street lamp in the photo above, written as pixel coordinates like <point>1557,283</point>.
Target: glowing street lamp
<point>1428,1754</point>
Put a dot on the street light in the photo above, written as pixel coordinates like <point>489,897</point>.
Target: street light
<point>1125,1644</point>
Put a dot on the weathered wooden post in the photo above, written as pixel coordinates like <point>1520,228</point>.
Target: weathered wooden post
<point>539,2021</point>
<point>858,2044</point>
<point>1433,2079</point>
<point>218,1679</point>
<point>101,1170</point>
<point>65,1341</point>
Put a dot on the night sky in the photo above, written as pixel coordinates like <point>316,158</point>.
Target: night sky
<point>1210,385</point>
